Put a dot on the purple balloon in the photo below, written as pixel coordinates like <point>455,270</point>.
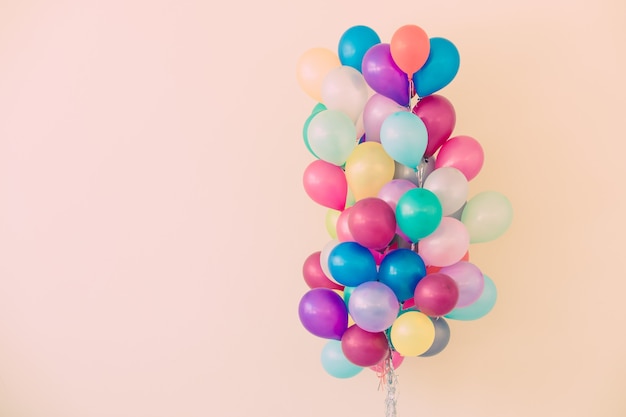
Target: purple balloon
<point>393,190</point>
<point>323,313</point>
<point>439,116</point>
<point>373,306</point>
<point>468,278</point>
<point>376,110</point>
<point>383,75</point>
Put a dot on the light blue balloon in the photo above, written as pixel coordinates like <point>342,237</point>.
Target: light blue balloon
<point>335,362</point>
<point>440,68</point>
<point>404,137</point>
<point>480,307</point>
<point>354,43</point>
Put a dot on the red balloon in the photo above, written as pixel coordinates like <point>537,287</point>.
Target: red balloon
<point>364,348</point>
<point>436,294</point>
<point>314,275</point>
<point>372,223</point>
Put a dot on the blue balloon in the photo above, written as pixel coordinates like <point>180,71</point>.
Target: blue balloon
<point>335,362</point>
<point>351,264</point>
<point>354,43</point>
<point>440,68</point>
<point>442,337</point>
<point>480,307</point>
<point>404,137</point>
<point>401,270</point>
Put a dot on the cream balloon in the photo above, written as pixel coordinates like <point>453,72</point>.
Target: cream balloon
<point>450,186</point>
<point>487,216</point>
<point>345,89</point>
<point>311,69</point>
<point>367,169</point>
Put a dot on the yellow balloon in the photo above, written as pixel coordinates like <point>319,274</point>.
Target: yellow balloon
<point>331,222</point>
<point>412,333</point>
<point>368,168</point>
<point>312,67</point>
<point>350,198</point>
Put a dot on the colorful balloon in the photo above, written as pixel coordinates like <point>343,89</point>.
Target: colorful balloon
<point>373,306</point>
<point>335,362</point>
<point>401,270</point>
<point>326,184</point>
<point>332,136</point>
<point>446,245</point>
<point>442,337</point>
<point>364,348</point>
<point>372,223</point>
<point>376,110</point>
<point>451,188</point>
<point>436,294</point>
<point>305,129</point>
<point>367,169</point>
<point>440,68</point>
<point>418,213</point>
<point>384,76</point>
<point>463,153</point>
<point>343,228</point>
<point>409,48</point>
<point>404,137</point>
<point>330,221</point>
<point>351,264</point>
<point>314,275</point>
<point>412,333</point>
<point>345,89</point>
<point>480,307</point>
<point>487,216</point>
<point>439,117</point>
<point>323,313</point>
<point>354,43</point>
<point>311,69</point>
<point>325,254</point>
<point>469,279</point>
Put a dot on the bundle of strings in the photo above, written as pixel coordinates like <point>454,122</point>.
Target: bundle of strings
<point>389,382</point>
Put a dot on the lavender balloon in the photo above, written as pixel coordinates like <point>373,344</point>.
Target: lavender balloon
<point>393,190</point>
<point>373,306</point>
<point>384,76</point>
<point>323,313</point>
<point>468,278</point>
<point>376,110</point>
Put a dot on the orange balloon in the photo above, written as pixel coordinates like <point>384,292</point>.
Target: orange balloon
<point>410,47</point>
<point>311,69</point>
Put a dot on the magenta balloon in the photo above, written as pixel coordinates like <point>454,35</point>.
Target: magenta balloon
<point>383,75</point>
<point>446,245</point>
<point>326,184</point>
<point>463,153</point>
<point>364,348</point>
<point>323,313</point>
<point>393,190</point>
<point>376,110</point>
<point>343,228</point>
<point>468,278</point>
<point>396,360</point>
<point>372,223</point>
<point>314,275</point>
<point>436,294</point>
<point>439,116</point>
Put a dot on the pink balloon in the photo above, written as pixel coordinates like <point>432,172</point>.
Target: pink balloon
<point>342,227</point>
<point>468,278</point>
<point>378,256</point>
<point>463,153</point>
<point>326,184</point>
<point>314,276</point>
<point>396,360</point>
<point>376,110</point>
<point>439,116</point>
<point>372,223</point>
<point>364,348</point>
<point>436,294</point>
<point>446,245</point>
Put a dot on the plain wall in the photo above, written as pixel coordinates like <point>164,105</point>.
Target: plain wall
<point>153,224</point>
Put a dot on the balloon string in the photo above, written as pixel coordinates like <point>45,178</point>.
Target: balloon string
<point>391,383</point>
<point>411,93</point>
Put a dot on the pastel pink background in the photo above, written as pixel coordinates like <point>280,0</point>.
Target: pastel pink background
<point>153,224</point>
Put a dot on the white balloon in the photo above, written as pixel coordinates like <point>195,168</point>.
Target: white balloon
<point>450,186</point>
<point>345,89</point>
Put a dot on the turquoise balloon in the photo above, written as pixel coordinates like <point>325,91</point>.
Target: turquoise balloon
<point>418,213</point>
<point>347,292</point>
<point>318,108</point>
<point>480,307</point>
<point>404,137</point>
<point>440,68</point>
<point>335,362</point>
<point>354,43</point>
<point>332,136</point>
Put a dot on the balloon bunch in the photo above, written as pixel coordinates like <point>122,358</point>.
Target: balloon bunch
<point>396,186</point>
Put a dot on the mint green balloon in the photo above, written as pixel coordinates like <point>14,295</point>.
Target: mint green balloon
<point>480,307</point>
<point>418,213</point>
<point>305,129</point>
<point>487,216</point>
<point>332,136</point>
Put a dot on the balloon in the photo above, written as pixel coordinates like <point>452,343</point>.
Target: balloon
<point>404,137</point>
<point>332,136</point>
<point>354,43</point>
<point>479,308</point>
<point>305,129</point>
<point>335,362</point>
<point>345,89</point>
<point>372,223</point>
<point>418,213</point>
<point>463,153</point>
<point>311,69</point>
<point>343,229</point>
<point>367,169</point>
<point>401,270</point>
<point>331,222</point>
<point>314,275</point>
<point>351,264</point>
<point>440,68</point>
<point>393,190</point>
<point>439,116</point>
<point>364,348</point>
<point>323,313</point>
<point>373,306</point>
<point>409,48</point>
<point>376,110</point>
<point>469,279</point>
<point>442,337</point>
<point>396,361</point>
<point>436,294</point>
<point>325,184</point>
<point>384,76</point>
<point>451,188</point>
<point>487,216</point>
<point>446,245</point>
<point>412,333</point>
<point>425,168</point>
<point>324,254</point>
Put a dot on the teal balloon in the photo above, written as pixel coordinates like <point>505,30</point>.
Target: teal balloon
<point>318,108</point>
<point>354,43</point>
<point>404,137</point>
<point>335,362</point>
<point>418,213</point>
<point>480,307</point>
<point>347,292</point>
<point>332,136</point>
<point>440,68</point>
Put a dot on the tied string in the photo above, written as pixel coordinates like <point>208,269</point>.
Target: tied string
<point>388,380</point>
